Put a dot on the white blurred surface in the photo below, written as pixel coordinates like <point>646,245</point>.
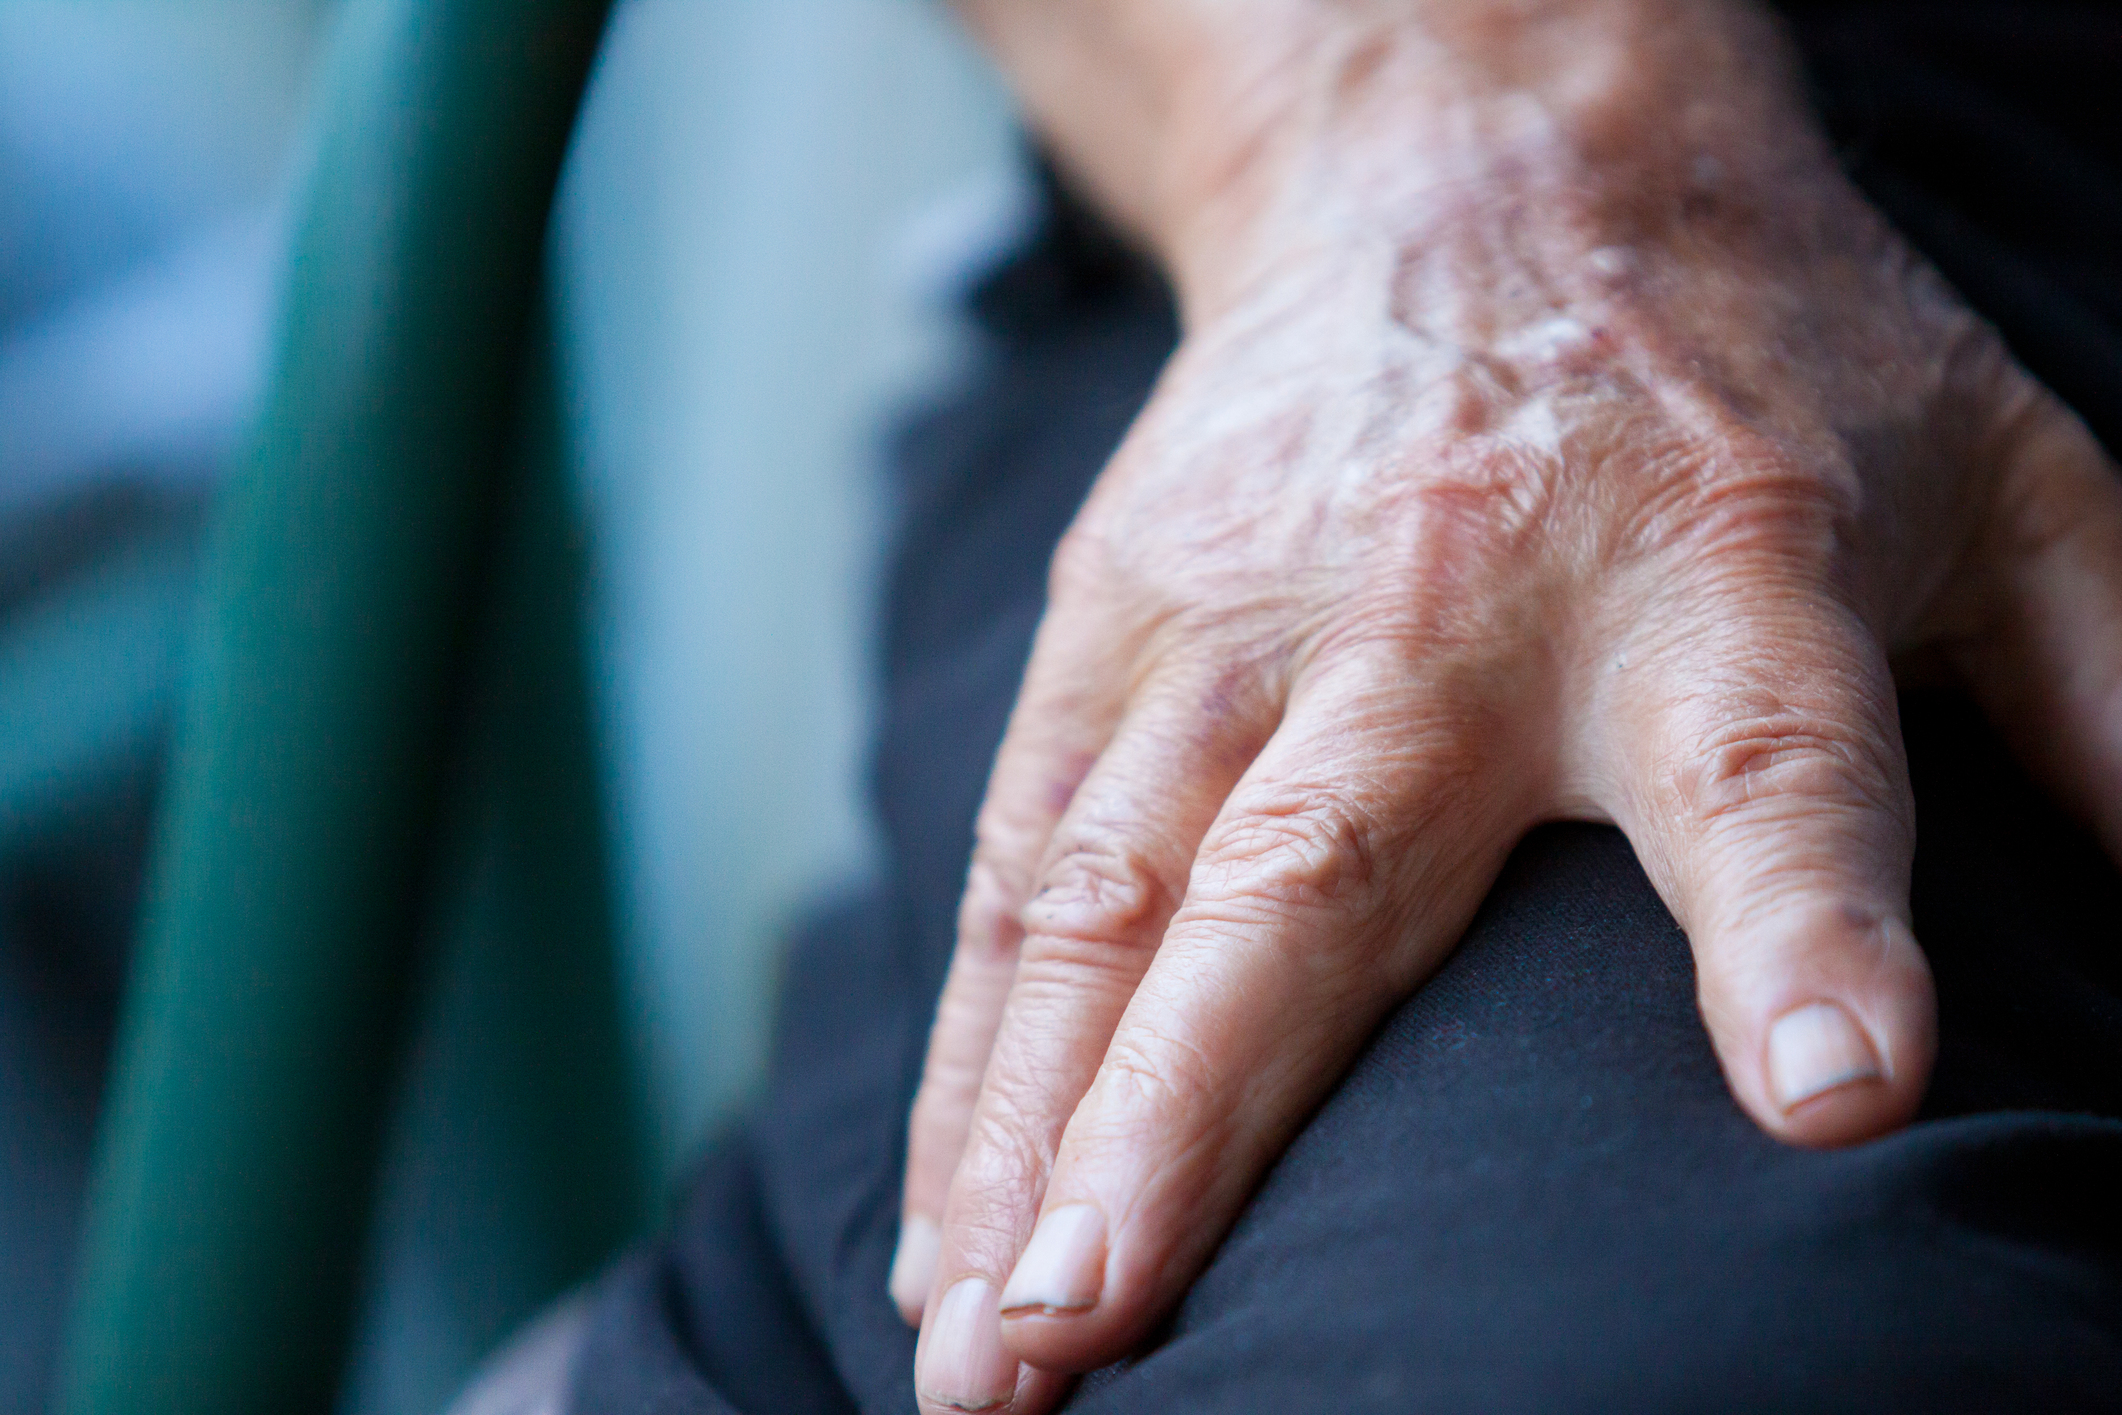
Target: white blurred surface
<point>763,203</point>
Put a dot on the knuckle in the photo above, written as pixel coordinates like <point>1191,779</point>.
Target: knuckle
<point>1151,1078</point>
<point>1004,841</point>
<point>1004,1151</point>
<point>1473,511</point>
<point>1755,504</point>
<point>1777,754</point>
<point>987,914</point>
<point>1102,889</point>
<point>1305,850</point>
<point>941,1106</point>
<point>1158,1094</point>
<point>1456,535</point>
<point>953,1071</point>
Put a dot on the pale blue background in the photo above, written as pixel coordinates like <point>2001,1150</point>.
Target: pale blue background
<point>768,209</point>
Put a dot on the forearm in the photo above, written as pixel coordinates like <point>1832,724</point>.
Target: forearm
<point>1223,132</point>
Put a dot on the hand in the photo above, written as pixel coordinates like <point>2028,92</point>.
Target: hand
<point>1555,435</point>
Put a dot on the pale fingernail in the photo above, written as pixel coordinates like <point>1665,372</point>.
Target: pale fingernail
<point>963,1363</point>
<point>1815,1048</point>
<point>914,1263</point>
<point>1063,1267</point>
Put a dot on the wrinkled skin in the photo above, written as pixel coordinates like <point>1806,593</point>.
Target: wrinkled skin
<point>1550,438</point>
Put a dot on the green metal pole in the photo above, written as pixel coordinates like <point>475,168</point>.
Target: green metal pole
<point>228,1214</point>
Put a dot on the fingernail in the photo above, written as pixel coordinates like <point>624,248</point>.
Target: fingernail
<point>1815,1048</point>
<point>914,1262</point>
<point>1063,1267</point>
<point>963,1363</point>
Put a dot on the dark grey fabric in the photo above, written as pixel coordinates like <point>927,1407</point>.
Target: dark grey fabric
<point>1532,1193</point>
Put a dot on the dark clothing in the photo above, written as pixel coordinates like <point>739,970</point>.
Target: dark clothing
<point>1532,1193</point>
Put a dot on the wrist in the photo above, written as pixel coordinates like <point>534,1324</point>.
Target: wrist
<point>1330,129</point>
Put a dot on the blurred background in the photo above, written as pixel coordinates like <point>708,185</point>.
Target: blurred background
<point>768,212</point>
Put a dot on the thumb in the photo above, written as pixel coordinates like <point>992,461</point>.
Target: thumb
<point>2042,650</point>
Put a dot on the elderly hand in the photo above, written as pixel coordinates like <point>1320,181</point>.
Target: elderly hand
<point>1555,435</point>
